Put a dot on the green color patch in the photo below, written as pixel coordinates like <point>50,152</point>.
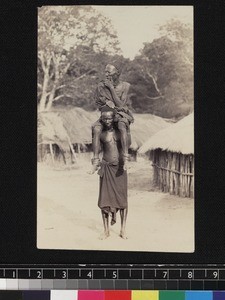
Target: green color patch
<point>172,295</point>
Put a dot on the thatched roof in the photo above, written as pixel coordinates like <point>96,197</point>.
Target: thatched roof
<point>75,124</point>
<point>144,126</point>
<point>178,137</point>
<point>78,123</point>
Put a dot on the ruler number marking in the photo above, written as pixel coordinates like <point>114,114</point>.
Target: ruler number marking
<point>190,275</point>
<point>165,274</point>
<point>38,274</point>
<point>114,274</point>
<point>64,274</point>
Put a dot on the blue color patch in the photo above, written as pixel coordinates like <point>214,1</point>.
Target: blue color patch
<point>198,295</point>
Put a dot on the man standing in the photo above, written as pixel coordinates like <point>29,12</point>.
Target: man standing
<point>113,177</point>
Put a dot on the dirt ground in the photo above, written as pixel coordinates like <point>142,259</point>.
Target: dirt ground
<point>69,218</point>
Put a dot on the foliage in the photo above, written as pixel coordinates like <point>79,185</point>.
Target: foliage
<point>162,74</point>
<point>75,44</point>
<point>61,31</point>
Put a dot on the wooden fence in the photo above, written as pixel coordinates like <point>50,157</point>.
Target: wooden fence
<point>173,172</point>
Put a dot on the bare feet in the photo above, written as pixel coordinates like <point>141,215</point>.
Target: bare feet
<point>123,235</point>
<point>104,236</point>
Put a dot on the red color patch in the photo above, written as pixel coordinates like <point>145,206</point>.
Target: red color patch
<point>117,295</point>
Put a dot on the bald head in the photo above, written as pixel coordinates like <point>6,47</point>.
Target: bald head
<point>111,73</point>
<point>107,118</point>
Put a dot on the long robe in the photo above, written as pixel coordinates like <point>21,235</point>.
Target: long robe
<point>113,188</point>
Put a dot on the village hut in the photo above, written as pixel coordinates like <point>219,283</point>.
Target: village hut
<point>64,133</point>
<point>144,126</point>
<point>172,153</point>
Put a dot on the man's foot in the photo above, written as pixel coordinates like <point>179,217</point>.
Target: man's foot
<point>123,235</point>
<point>104,236</point>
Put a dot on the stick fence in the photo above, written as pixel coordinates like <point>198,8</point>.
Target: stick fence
<point>173,172</point>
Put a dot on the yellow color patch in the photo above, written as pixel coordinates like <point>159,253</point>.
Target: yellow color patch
<point>145,295</point>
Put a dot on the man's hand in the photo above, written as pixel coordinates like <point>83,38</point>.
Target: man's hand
<point>95,165</point>
<point>109,84</point>
<point>125,161</point>
<point>93,169</point>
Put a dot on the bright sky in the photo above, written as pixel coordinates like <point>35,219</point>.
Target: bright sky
<point>138,24</point>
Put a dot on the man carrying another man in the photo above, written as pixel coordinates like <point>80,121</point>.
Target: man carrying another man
<point>112,133</point>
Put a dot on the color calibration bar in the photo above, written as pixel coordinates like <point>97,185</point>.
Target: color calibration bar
<point>94,284</point>
<point>111,295</point>
<point>86,278</point>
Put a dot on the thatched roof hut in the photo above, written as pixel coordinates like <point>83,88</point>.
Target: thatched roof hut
<point>64,129</point>
<point>178,137</point>
<point>144,126</point>
<point>74,123</point>
<point>172,153</point>
<point>71,129</point>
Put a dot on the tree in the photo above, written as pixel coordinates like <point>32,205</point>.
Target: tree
<point>61,30</point>
<point>165,66</point>
<point>182,34</point>
<point>81,79</point>
<point>144,88</point>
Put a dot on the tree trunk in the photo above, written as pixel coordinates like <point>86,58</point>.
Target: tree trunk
<point>44,95</point>
<point>154,82</point>
<point>45,67</point>
<point>56,81</point>
<point>51,98</point>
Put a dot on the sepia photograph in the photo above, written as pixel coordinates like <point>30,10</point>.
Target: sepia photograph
<point>115,128</point>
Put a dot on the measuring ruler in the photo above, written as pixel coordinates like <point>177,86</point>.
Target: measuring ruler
<point>113,277</point>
